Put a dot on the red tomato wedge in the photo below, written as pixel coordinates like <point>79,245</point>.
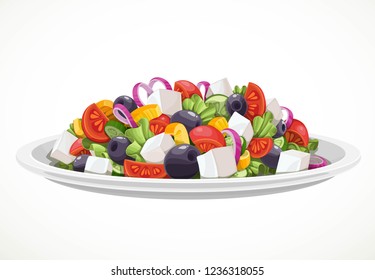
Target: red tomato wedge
<point>93,122</point>
<point>297,133</point>
<point>186,88</point>
<point>144,169</point>
<point>77,149</point>
<point>259,147</point>
<point>256,102</point>
<point>159,124</point>
<point>206,137</point>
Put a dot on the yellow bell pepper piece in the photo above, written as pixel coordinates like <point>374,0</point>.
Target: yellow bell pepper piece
<point>77,127</point>
<point>149,112</point>
<point>106,106</point>
<point>244,161</point>
<point>219,123</point>
<point>179,133</point>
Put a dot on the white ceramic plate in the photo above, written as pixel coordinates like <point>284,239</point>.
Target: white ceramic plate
<point>343,156</point>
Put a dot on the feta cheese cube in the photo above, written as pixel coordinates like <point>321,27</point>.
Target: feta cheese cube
<point>220,87</point>
<point>274,107</point>
<point>292,161</point>
<point>169,101</point>
<point>156,147</point>
<point>242,126</point>
<point>61,148</point>
<point>217,163</point>
<point>98,165</point>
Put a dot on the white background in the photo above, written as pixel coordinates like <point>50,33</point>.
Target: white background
<point>56,58</point>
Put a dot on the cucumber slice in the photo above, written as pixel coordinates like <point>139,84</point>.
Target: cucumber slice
<point>114,129</point>
<point>281,142</point>
<point>229,142</point>
<point>218,101</point>
<point>240,174</point>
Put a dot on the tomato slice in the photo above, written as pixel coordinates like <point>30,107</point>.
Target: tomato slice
<point>163,118</point>
<point>144,169</point>
<point>159,124</point>
<point>187,89</point>
<point>256,102</point>
<point>259,147</point>
<point>93,123</point>
<point>77,148</point>
<point>206,137</point>
<point>297,133</point>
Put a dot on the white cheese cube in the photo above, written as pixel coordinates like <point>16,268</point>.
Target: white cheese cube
<point>220,87</point>
<point>98,165</point>
<point>169,101</point>
<point>217,163</point>
<point>292,161</point>
<point>274,107</point>
<point>242,126</point>
<point>61,148</point>
<point>156,147</point>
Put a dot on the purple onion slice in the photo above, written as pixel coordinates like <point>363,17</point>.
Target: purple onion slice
<point>317,161</point>
<point>161,80</point>
<point>206,86</point>
<point>136,98</point>
<point>123,115</point>
<point>287,116</point>
<point>236,142</point>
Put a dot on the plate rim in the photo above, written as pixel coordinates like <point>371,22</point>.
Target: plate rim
<point>28,161</point>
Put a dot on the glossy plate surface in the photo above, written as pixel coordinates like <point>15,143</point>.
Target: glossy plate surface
<point>343,156</point>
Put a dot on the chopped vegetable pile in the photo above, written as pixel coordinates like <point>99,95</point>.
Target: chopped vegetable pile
<point>187,133</point>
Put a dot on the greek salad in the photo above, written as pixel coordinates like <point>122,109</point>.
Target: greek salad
<point>195,131</point>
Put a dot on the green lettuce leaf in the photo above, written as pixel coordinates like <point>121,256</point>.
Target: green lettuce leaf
<point>138,137</point>
<point>263,126</point>
<point>98,149</point>
<point>258,168</point>
<point>294,146</point>
<point>313,145</point>
<point>196,104</point>
<point>64,166</point>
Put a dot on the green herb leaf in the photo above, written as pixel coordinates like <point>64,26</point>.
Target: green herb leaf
<point>239,90</point>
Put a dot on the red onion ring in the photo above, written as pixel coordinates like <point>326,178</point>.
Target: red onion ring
<point>123,115</point>
<point>206,86</point>
<point>236,142</point>
<point>136,98</point>
<point>161,80</point>
<point>289,116</point>
<point>317,161</point>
